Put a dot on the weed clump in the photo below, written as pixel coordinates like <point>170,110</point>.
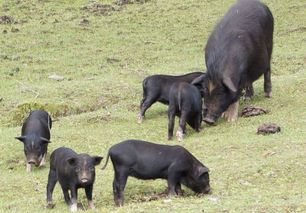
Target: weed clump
<point>23,110</point>
<point>6,19</point>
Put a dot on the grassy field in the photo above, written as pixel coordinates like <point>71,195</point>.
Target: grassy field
<point>104,52</point>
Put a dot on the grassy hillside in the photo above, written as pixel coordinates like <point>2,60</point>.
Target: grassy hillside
<point>104,50</point>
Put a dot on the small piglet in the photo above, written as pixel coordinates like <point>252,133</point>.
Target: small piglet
<point>185,101</point>
<point>35,135</point>
<point>145,160</point>
<point>73,171</point>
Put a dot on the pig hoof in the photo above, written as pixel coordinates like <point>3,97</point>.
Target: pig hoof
<point>73,207</point>
<point>50,205</point>
<point>91,205</point>
<point>247,98</point>
<point>268,94</point>
<point>119,204</point>
<point>139,119</point>
<point>179,135</point>
<point>232,119</point>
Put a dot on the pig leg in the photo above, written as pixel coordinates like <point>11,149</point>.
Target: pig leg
<point>29,167</point>
<point>171,119</point>
<point>119,185</point>
<point>182,127</point>
<point>249,92</point>
<point>88,191</point>
<point>74,199</point>
<point>66,196</point>
<point>172,183</point>
<point>231,114</point>
<point>145,103</point>
<point>267,83</point>
<point>178,189</point>
<point>52,179</point>
<point>43,160</point>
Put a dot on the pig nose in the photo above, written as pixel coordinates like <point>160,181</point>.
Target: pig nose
<point>84,180</point>
<point>31,162</point>
<point>209,120</point>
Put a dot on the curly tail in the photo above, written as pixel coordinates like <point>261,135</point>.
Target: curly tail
<point>106,161</point>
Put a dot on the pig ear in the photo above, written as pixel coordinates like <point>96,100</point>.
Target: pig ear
<point>71,161</point>
<point>97,160</point>
<point>198,80</point>
<point>229,84</point>
<point>202,170</point>
<point>21,138</point>
<point>45,140</point>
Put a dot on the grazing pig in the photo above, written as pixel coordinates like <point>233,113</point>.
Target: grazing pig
<point>237,53</point>
<point>145,160</point>
<point>157,87</point>
<point>35,135</point>
<point>185,102</point>
<point>73,171</point>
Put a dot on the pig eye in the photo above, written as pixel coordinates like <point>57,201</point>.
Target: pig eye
<point>92,169</point>
<point>77,169</point>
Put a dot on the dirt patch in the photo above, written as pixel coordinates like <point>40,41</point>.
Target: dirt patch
<point>97,119</point>
<point>298,30</point>
<point>133,108</point>
<point>268,128</point>
<point>6,20</point>
<point>123,2</point>
<point>253,111</point>
<point>12,164</point>
<point>100,9</point>
<point>149,197</point>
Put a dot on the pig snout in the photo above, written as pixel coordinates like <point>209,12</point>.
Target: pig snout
<point>209,120</point>
<point>84,180</point>
<point>33,161</point>
<point>207,190</point>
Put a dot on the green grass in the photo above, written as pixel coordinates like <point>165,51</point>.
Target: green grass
<point>104,62</point>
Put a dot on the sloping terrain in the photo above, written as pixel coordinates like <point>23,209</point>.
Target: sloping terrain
<point>103,50</point>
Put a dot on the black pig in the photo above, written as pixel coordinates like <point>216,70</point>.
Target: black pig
<point>237,53</point>
<point>185,102</point>
<point>145,160</point>
<point>157,87</point>
<point>73,171</point>
<point>35,135</point>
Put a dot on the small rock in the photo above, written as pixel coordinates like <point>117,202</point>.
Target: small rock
<point>269,153</point>
<point>167,200</point>
<point>112,60</point>
<point>15,57</point>
<point>213,198</point>
<point>268,128</point>
<point>84,21</point>
<point>56,77</point>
